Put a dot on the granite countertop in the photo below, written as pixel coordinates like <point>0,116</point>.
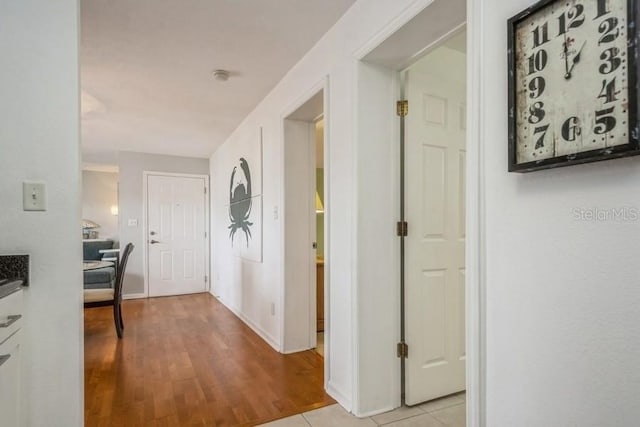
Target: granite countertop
<point>9,286</point>
<point>15,266</point>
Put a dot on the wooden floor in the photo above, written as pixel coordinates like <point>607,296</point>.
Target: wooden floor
<point>188,361</point>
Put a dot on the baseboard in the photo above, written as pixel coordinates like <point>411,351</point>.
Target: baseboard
<point>297,350</point>
<point>134,296</point>
<point>339,396</point>
<point>376,412</point>
<point>255,328</point>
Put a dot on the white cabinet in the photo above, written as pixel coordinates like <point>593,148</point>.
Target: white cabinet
<point>10,381</point>
<point>10,337</point>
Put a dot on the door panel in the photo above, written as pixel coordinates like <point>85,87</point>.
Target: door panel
<point>434,196</point>
<point>435,210</point>
<point>177,241</point>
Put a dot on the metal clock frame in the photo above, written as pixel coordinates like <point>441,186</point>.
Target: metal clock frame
<point>632,148</point>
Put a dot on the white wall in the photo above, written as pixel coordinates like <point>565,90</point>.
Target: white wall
<point>99,194</point>
<point>130,203</point>
<point>248,288</point>
<point>353,301</point>
<point>562,294</point>
<point>39,140</point>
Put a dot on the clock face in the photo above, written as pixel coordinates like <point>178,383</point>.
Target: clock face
<point>571,79</point>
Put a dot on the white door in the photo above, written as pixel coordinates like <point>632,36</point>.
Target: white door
<point>435,212</point>
<point>176,227</point>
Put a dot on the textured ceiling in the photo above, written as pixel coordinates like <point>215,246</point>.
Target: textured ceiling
<point>146,68</point>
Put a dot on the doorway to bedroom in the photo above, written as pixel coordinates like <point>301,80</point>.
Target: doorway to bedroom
<point>305,226</point>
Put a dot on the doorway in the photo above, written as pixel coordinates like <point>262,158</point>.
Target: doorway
<point>176,230</point>
<point>305,325</point>
<point>384,65</point>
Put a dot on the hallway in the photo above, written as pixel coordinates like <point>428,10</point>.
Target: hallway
<point>187,360</point>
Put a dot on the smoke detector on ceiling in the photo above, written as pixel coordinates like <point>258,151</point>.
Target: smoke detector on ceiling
<point>221,75</point>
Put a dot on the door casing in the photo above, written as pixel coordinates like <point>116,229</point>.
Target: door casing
<point>296,111</point>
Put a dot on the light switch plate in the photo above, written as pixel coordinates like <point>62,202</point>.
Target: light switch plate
<point>34,196</point>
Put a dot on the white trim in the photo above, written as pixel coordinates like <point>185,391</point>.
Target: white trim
<point>298,349</point>
<point>301,100</point>
<point>398,22</point>
<point>377,412</point>
<point>475,224</point>
<point>353,226</point>
<point>99,167</point>
<point>434,45</point>
<point>254,327</point>
<point>134,296</point>
<point>326,165</point>
<point>145,231</point>
<point>280,308</point>
<point>313,218</point>
<point>338,395</point>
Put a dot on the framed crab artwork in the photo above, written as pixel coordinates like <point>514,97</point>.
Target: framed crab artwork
<point>245,203</point>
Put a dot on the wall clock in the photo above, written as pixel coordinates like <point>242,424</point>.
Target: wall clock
<point>572,83</point>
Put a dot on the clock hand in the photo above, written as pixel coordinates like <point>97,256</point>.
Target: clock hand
<point>567,74</point>
<point>576,58</point>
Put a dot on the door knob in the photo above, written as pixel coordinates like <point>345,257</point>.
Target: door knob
<point>153,233</point>
<point>153,242</point>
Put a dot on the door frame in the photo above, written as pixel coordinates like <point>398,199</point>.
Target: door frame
<point>475,295</point>
<point>320,86</point>
<point>145,225</point>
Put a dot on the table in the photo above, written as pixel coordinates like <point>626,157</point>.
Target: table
<point>94,265</point>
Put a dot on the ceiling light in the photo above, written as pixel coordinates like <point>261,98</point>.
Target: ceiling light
<point>221,75</point>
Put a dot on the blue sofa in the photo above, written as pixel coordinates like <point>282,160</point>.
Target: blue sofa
<point>102,277</point>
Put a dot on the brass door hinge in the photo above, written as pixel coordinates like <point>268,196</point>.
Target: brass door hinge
<point>403,350</point>
<point>402,108</point>
<point>402,228</point>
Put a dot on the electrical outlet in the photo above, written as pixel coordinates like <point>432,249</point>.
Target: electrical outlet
<point>275,212</point>
<point>132,222</point>
<point>273,309</point>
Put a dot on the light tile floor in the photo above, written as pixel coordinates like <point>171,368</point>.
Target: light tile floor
<point>448,411</point>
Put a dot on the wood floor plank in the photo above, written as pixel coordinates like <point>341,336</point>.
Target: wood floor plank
<point>188,361</point>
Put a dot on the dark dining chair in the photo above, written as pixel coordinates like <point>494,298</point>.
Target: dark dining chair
<point>111,296</point>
